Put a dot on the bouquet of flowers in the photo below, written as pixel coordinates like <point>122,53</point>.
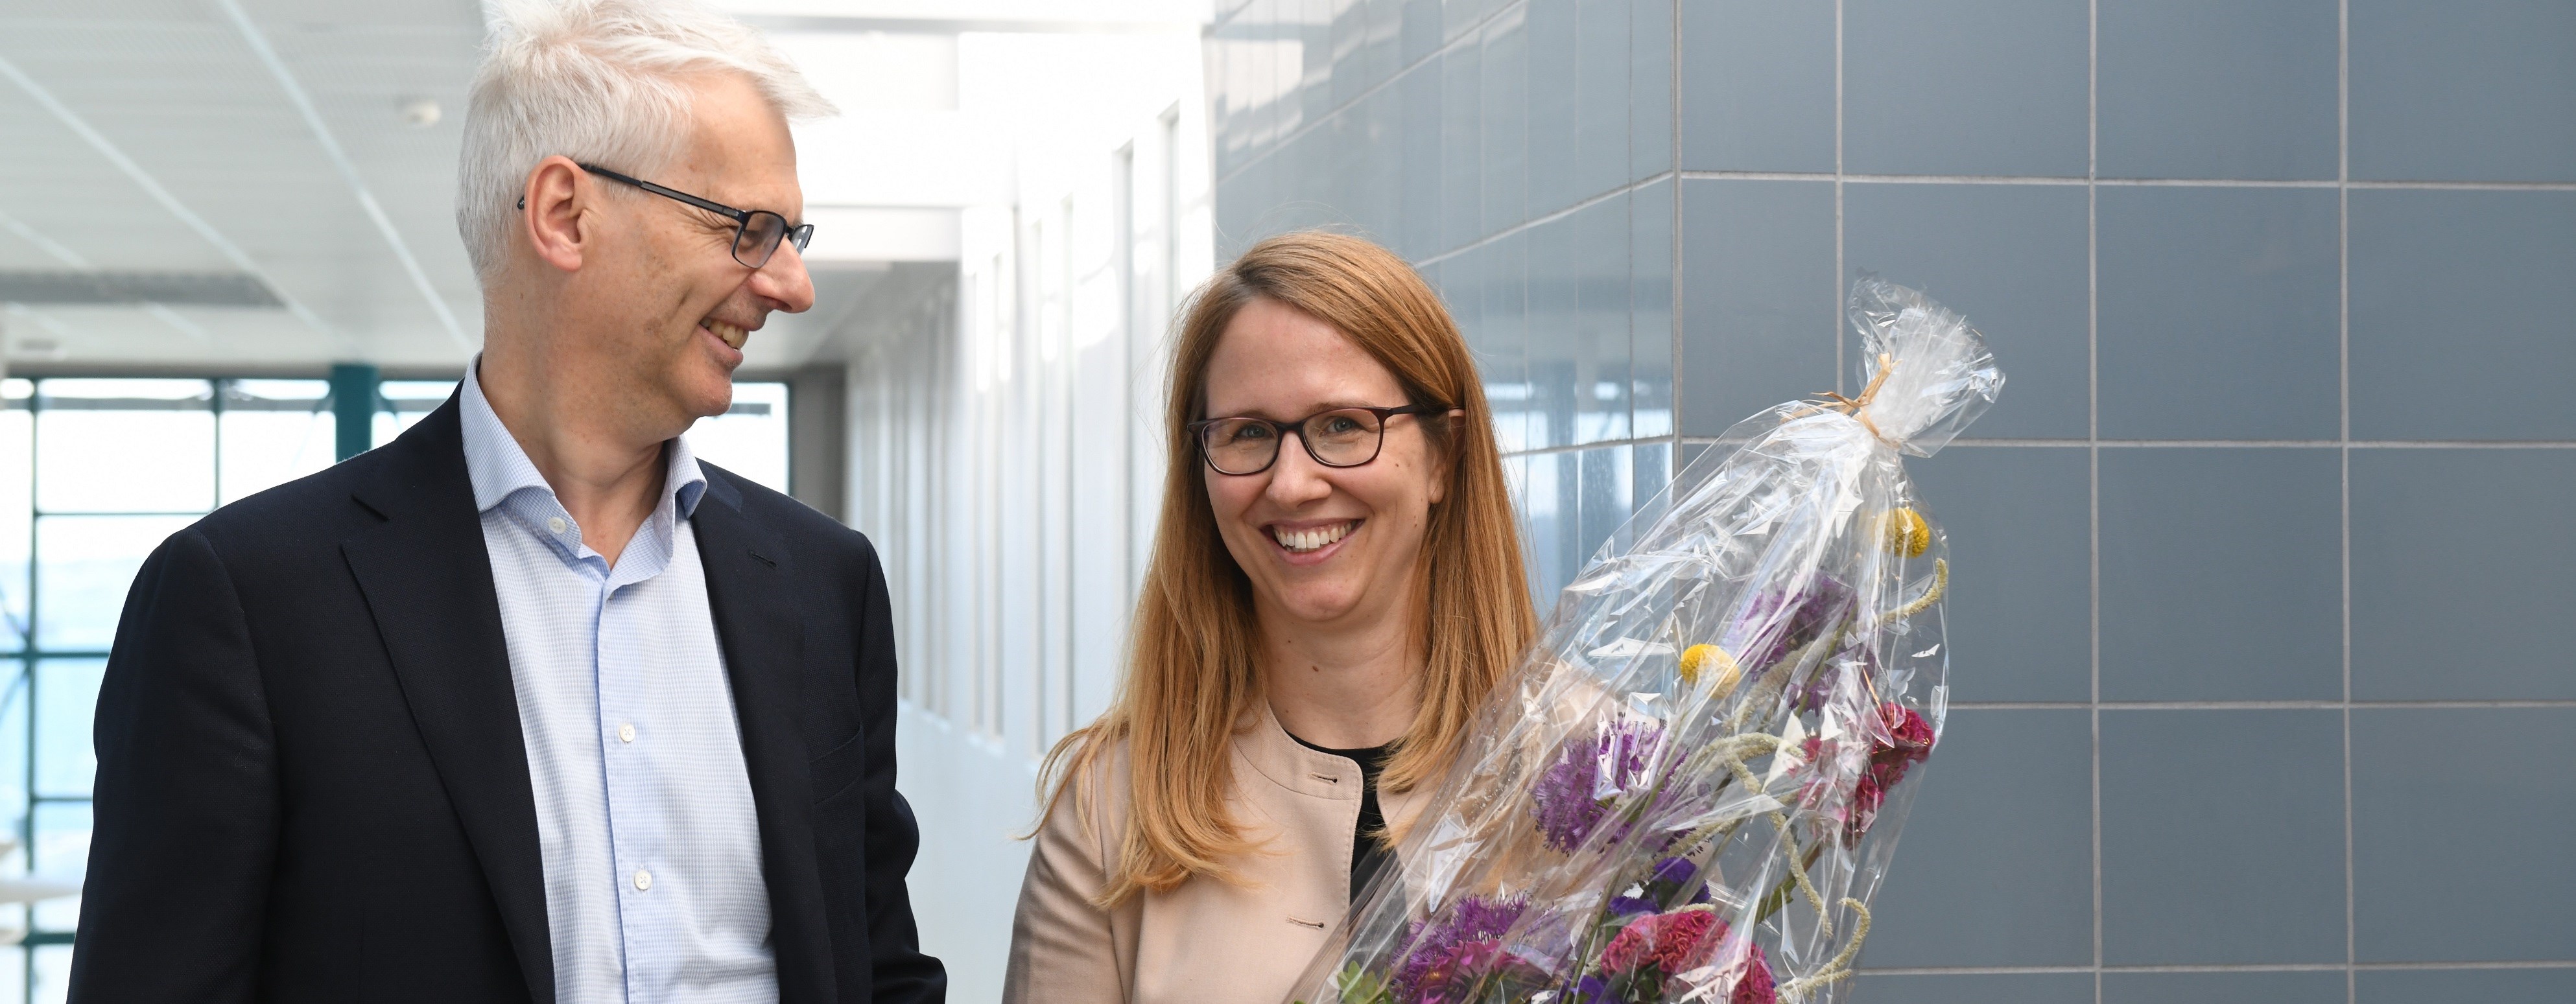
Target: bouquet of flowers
<point>1691,787</point>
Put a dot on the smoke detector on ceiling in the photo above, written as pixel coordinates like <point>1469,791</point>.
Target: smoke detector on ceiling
<point>420,113</point>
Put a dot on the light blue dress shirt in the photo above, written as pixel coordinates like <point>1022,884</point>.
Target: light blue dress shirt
<point>644,811</point>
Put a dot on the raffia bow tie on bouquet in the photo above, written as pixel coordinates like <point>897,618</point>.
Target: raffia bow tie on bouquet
<point>1692,786</point>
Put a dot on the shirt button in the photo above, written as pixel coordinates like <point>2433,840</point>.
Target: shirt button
<point>643,880</point>
<point>555,524</point>
<point>626,733</point>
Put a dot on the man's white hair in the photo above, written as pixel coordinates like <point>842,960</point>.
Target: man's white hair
<point>602,82</point>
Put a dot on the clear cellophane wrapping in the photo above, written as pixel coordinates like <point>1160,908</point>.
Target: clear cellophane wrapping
<point>1691,787</point>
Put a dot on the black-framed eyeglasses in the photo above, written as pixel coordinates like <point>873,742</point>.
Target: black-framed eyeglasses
<point>1337,437</point>
<point>756,232</point>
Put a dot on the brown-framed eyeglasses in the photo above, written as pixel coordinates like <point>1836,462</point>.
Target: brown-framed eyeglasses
<point>1336,437</point>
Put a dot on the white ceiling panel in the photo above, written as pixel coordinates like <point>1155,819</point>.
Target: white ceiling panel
<point>178,89</point>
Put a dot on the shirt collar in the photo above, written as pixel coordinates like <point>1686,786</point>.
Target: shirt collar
<point>499,468</point>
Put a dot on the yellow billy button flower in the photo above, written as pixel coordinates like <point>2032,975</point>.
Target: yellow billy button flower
<point>1907,533</point>
<point>1712,662</point>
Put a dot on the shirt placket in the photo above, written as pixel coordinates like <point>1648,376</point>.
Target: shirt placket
<point>622,758</point>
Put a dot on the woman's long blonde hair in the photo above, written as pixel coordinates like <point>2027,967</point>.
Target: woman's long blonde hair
<point>1192,672</point>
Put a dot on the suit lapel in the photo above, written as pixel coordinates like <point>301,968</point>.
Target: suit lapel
<point>750,591</point>
<point>428,583</point>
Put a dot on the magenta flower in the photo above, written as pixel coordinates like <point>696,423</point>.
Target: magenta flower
<point>1645,955</point>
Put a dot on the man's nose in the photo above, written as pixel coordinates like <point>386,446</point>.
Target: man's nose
<point>784,280</point>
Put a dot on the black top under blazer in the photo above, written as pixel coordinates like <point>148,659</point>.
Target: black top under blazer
<point>311,780</point>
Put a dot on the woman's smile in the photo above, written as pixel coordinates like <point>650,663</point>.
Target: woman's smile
<point>1309,542</point>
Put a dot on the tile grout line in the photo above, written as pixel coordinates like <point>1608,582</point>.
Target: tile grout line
<point>1672,169</point>
<point>2249,444</point>
<point>2093,436</point>
<point>2343,390</point>
<point>2258,967</point>
<point>1627,188</point>
<point>2046,180</point>
<point>2319,705</point>
<point>1842,269</point>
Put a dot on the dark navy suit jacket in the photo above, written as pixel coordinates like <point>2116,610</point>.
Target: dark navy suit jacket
<point>312,784</point>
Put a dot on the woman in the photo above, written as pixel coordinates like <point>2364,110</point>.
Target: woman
<point>1319,623</point>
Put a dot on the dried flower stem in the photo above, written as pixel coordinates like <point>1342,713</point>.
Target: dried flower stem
<point>1940,584</point>
<point>1839,967</point>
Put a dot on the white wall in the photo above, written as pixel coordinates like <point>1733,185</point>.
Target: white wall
<point>1006,448</point>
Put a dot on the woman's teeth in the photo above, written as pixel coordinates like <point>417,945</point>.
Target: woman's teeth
<point>732,335</point>
<point>1302,541</point>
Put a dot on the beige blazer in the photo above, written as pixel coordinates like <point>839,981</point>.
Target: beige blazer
<point>1205,942</point>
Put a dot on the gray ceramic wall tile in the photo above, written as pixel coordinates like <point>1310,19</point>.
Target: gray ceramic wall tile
<point>1504,270</point>
<point>1604,381</point>
<point>1279,20</point>
<point>1418,209</point>
<point>2297,987</point>
<point>1965,87</point>
<point>2452,552</point>
<point>2463,90</point>
<point>1239,201</point>
<point>2500,790</point>
<point>1385,41</point>
<point>2221,575</point>
<point>1457,17</point>
<point>2216,89</point>
<point>2456,333</point>
<point>1349,23</point>
<point>1757,85</point>
<point>1650,87</point>
<point>1555,49</point>
<point>1462,144</point>
<point>2222,837</point>
<point>1506,110</point>
<point>1609,481</point>
<point>2020,608</point>
<point>1995,867</point>
<point>1759,307</point>
<point>1418,31</point>
<point>1555,508</point>
<point>1313,20</point>
<point>1558,349</point>
<point>2486,986</point>
<point>1976,988</point>
<point>1601,97</point>
<point>2010,257</point>
<point>1652,465</point>
<point>2218,313</point>
<point>1228,132</point>
<point>1650,308</point>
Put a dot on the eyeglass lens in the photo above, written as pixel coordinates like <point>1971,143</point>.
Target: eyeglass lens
<point>1347,437</point>
<point>758,238</point>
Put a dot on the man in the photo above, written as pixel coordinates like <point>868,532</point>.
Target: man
<point>530,705</point>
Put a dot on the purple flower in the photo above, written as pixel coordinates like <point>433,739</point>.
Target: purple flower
<point>1591,770</point>
<point>1775,624</point>
<point>1449,952</point>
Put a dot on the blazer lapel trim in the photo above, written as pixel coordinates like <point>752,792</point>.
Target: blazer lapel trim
<point>751,593</point>
<point>428,583</point>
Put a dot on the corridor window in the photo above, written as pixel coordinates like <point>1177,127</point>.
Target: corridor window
<point>94,474</point>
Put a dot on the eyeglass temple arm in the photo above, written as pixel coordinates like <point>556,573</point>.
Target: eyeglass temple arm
<point>720,209</point>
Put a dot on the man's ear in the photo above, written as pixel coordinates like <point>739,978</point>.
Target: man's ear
<point>553,212</point>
